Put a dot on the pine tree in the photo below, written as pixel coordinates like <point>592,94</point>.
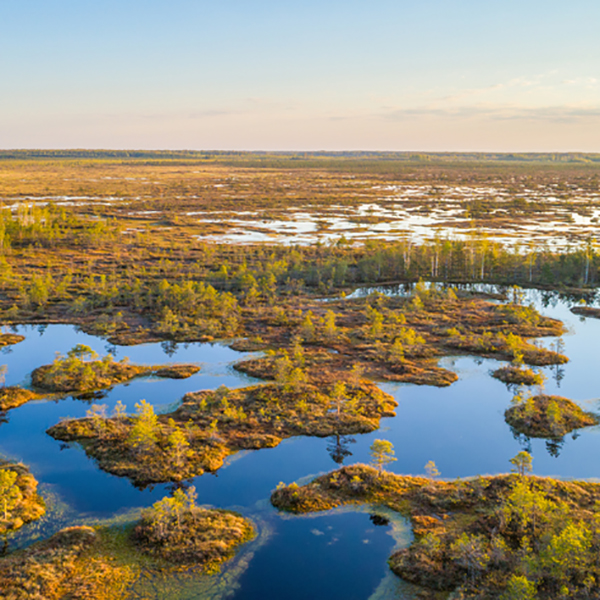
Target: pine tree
<point>178,444</point>
<point>144,433</point>
<point>522,462</point>
<point>10,493</point>
<point>382,453</point>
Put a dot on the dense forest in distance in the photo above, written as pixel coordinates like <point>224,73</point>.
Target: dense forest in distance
<point>322,159</point>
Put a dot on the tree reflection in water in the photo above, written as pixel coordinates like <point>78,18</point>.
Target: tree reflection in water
<point>338,447</point>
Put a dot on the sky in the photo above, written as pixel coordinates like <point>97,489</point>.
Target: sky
<point>419,75</point>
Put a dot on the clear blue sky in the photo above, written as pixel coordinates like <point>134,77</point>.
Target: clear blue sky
<point>263,74</point>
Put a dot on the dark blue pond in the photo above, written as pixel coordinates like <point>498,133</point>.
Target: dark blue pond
<point>333,556</point>
<point>461,428</point>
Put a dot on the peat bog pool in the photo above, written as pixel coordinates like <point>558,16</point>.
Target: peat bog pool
<point>338,554</point>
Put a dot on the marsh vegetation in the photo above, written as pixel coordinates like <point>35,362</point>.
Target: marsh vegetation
<point>153,247</point>
<point>80,371</point>
<point>19,501</point>
<point>547,416</point>
<point>508,536</point>
<point>208,426</point>
<point>103,562</point>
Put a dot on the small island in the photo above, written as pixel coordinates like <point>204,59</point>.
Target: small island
<point>178,531</point>
<point>544,416</point>
<point>105,562</point>
<point>518,375</point>
<point>506,536</point>
<point>19,501</point>
<point>81,371</point>
<point>179,371</point>
<point>13,396</point>
<point>8,339</point>
<point>210,425</point>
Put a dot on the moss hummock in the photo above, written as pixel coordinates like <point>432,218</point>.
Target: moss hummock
<point>398,338</point>
<point>19,501</point>
<point>8,339</point>
<point>546,416</point>
<point>325,367</point>
<point>14,396</point>
<point>87,377</point>
<point>181,533</point>
<point>586,311</point>
<point>73,563</point>
<point>513,374</point>
<point>176,371</point>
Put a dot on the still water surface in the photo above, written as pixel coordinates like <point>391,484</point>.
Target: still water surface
<point>341,554</point>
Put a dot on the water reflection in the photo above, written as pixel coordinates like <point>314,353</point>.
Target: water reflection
<point>553,445</point>
<point>91,397</point>
<point>542,298</point>
<point>379,520</point>
<point>338,447</point>
<point>169,347</point>
<point>461,428</point>
<point>524,440</point>
<point>558,374</point>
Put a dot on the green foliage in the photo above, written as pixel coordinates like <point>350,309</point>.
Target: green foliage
<point>119,410</point>
<point>297,352</point>
<point>307,328</point>
<point>177,530</point>
<point>339,398</point>
<point>469,552</point>
<point>178,444</point>
<point>520,588</point>
<point>568,552</point>
<point>382,453</point>
<point>167,513</point>
<point>191,308</point>
<point>97,415</point>
<point>522,462</point>
<point>10,493</point>
<point>432,470</point>
<point>144,433</point>
<point>288,371</point>
<point>527,508</point>
<point>83,352</point>
<point>330,331</point>
<point>375,320</point>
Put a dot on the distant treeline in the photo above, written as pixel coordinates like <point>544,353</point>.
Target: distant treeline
<point>377,262</point>
<point>444,157</point>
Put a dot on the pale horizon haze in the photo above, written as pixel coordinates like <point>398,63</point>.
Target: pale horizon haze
<point>431,75</point>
